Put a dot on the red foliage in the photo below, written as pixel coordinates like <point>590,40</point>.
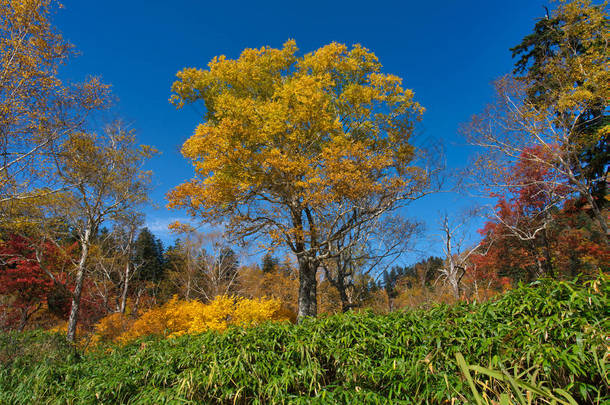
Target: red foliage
<point>22,280</point>
<point>21,275</point>
<point>536,229</point>
<point>25,287</point>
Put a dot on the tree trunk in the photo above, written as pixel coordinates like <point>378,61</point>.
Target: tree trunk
<point>547,256</point>
<point>339,284</point>
<point>78,288</point>
<point>346,305</point>
<point>601,218</point>
<point>455,285</point>
<point>390,302</point>
<point>308,306</point>
<point>187,294</point>
<point>134,313</point>
<point>25,315</point>
<point>127,270</point>
<point>452,277</point>
<point>24,320</point>
<point>125,287</point>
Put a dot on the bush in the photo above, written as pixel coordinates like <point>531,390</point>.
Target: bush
<point>179,317</point>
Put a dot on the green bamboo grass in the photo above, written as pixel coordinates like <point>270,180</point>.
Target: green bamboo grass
<point>539,343</point>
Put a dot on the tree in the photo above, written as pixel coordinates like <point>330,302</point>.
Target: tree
<point>270,263</point>
<point>174,261</point>
<point>456,255</point>
<point>527,212</point>
<point>569,246</point>
<point>555,116</point>
<point>390,283</point>
<point>292,146</point>
<point>148,256</point>
<point>426,270</point>
<point>22,279</point>
<point>104,176</point>
<point>579,249</point>
<point>536,230</point>
<point>203,266</point>
<point>372,246</point>
<point>113,263</point>
<point>522,243</point>
<point>37,110</point>
<point>128,225</point>
<point>564,48</point>
<point>281,284</point>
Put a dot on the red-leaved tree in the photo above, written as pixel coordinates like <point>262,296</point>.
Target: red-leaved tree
<point>23,283</point>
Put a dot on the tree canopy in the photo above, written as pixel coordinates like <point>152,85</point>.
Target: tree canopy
<point>564,65</point>
<point>298,148</point>
<point>555,115</point>
<point>37,109</point>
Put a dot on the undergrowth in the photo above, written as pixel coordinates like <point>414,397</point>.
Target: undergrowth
<point>551,334</point>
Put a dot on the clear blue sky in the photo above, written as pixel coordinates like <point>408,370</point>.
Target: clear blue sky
<point>447,51</point>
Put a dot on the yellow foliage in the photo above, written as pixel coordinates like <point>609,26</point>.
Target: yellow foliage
<point>320,129</point>
<point>178,317</point>
<point>282,285</point>
<point>290,144</point>
<point>81,334</point>
<point>111,326</point>
<point>413,295</point>
<point>378,302</point>
<point>31,123</point>
<point>423,297</point>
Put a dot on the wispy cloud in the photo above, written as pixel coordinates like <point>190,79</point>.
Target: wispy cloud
<point>160,225</point>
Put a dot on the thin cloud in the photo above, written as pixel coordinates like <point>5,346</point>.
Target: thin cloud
<point>160,225</point>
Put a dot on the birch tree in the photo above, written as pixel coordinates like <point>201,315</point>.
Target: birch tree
<point>366,251</point>
<point>555,114</point>
<point>38,111</point>
<point>457,254</point>
<point>105,179</point>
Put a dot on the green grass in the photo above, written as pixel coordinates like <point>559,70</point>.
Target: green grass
<point>549,337</point>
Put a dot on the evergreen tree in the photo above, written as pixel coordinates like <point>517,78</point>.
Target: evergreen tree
<point>270,263</point>
<point>148,256</point>
<point>228,264</point>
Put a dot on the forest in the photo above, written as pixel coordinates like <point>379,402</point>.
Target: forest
<point>285,279</point>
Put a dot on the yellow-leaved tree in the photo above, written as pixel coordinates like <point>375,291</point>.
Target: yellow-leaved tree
<point>299,150</point>
<point>38,111</point>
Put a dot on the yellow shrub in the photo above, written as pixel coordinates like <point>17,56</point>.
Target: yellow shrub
<point>253,311</point>
<point>110,327</point>
<point>81,337</point>
<point>178,317</point>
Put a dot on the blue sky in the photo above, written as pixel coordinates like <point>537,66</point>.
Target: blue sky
<point>447,51</point>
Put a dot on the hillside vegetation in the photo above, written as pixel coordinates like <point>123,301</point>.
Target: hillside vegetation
<point>551,335</point>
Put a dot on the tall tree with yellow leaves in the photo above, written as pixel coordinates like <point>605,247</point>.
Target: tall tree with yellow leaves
<point>37,110</point>
<point>298,150</point>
